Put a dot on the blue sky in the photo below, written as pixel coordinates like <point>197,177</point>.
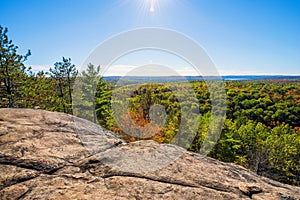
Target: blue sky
<point>241,36</point>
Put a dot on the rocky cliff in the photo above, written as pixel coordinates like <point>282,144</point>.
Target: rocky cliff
<point>46,155</point>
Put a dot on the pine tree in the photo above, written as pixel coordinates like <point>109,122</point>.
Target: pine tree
<point>84,94</point>
<point>12,71</point>
<point>64,73</point>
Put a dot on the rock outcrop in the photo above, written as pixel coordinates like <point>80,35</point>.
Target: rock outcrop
<point>46,155</point>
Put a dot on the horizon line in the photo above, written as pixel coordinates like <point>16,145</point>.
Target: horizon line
<point>278,75</point>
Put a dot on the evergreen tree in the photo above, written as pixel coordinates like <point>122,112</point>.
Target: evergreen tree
<point>40,91</point>
<point>85,91</point>
<point>12,71</point>
<point>64,73</point>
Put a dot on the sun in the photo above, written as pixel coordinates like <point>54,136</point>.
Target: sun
<point>152,6</point>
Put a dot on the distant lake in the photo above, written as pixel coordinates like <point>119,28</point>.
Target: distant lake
<point>256,77</point>
<point>195,78</point>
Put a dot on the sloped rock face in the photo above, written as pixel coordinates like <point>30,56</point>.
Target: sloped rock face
<point>45,155</point>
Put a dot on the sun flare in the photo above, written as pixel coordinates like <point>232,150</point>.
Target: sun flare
<point>152,9</point>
